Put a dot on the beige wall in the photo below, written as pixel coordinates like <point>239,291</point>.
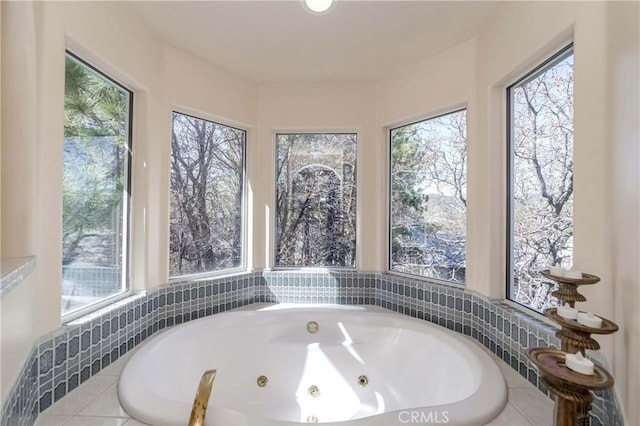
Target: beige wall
<point>18,315</point>
<point>130,55</point>
<point>442,83</point>
<point>34,39</point>
<point>438,85</point>
<point>19,323</point>
<point>18,123</point>
<point>507,47</point>
<point>624,140</point>
<point>473,74</point>
<point>195,87</point>
<point>308,108</point>
<point>606,147</point>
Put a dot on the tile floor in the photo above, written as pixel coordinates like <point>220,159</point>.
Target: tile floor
<point>95,402</point>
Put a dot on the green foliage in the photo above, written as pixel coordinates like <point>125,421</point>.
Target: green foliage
<point>409,203</point>
<point>95,158</point>
<point>428,197</point>
<point>406,169</point>
<point>94,106</point>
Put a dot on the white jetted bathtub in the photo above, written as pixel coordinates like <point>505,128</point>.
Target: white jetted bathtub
<point>361,366</point>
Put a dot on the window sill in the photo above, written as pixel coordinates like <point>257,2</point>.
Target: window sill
<point>14,272</point>
<point>312,269</point>
<point>525,313</point>
<point>113,305</point>
<point>427,279</point>
<point>203,276</point>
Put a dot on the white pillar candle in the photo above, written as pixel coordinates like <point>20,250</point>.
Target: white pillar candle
<point>590,320</point>
<point>567,312</point>
<point>578,363</point>
<point>557,271</point>
<point>576,275</point>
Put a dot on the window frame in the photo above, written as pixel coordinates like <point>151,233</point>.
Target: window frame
<point>243,208</point>
<point>127,208</point>
<point>274,200</point>
<point>532,74</point>
<point>389,195</point>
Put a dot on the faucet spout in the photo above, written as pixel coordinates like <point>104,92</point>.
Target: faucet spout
<point>199,408</point>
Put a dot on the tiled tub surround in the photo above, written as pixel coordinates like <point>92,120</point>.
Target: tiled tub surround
<point>158,383</point>
<point>62,360</point>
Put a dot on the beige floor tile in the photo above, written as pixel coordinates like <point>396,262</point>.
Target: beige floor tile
<point>96,421</point>
<point>511,376</point>
<point>134,422</point>
<point>97,384</point>
<point>509,417</point>
<point>533,405</point>
<point>82,396</point>
<point>45,420</point>
<point>116,368</point>
<point>107,405</point>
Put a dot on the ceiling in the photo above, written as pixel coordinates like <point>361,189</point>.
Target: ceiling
<point>279,41</point>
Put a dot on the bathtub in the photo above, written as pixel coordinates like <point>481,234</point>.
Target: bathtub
<point>361,366</point>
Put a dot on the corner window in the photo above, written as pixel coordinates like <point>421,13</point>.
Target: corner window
<point>207,192</point>
<point>96,182</point>
<point>540,183</point>
<point>428,184</point>
<point>316,200</point>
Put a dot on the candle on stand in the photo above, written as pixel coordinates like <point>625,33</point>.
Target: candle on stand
<point>576,275</point>
<point>579,363</point>
<point>590,320</point>
<point>567,312</point>
<point>557,271</point>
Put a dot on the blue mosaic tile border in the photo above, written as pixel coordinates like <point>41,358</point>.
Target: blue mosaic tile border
<point>340,287</point>
<point>69,356</point>
<point>503,330</point>
<point>62,360</point>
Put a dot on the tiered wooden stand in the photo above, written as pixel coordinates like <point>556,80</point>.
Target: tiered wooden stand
<point>572,390</point>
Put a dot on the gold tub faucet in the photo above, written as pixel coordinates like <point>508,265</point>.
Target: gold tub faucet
<point>199,409</point>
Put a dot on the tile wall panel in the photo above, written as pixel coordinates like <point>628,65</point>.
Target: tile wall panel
<point>69,356</point>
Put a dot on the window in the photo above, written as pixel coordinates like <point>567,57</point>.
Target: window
<point>540,187</point>
<point>97,158</point>
<point>316,200</point>
<point>207,192</point>
<point>428,183</point>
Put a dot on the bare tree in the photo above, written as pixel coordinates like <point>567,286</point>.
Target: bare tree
<point>316,199</point>
<point>207,167</point>
<point>542,139</point>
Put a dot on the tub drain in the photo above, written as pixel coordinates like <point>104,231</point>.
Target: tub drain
<point>314,391</point>
<point>312,419</point>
